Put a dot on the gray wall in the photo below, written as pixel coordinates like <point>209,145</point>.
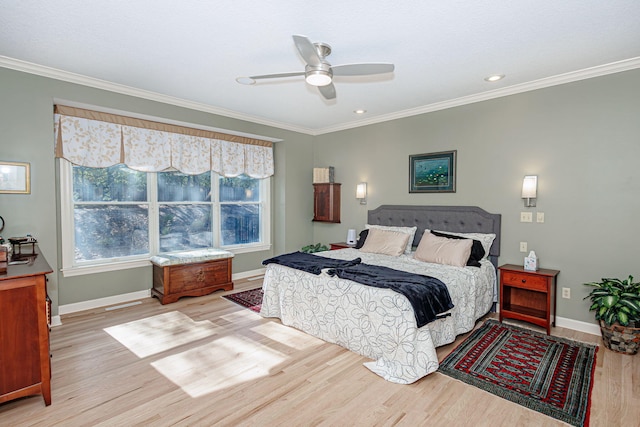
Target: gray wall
<point>26,129</point>
<point>582,140</point>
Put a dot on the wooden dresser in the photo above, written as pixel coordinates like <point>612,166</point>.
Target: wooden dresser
<point>25,365</point>
<point>191,273</point>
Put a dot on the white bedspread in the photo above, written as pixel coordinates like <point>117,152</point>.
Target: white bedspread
<point>378,323</point>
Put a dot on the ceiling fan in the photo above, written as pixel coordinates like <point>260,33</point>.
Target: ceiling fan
<point>318,71</point>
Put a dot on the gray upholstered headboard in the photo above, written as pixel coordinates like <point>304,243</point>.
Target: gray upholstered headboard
<point>460,219</point>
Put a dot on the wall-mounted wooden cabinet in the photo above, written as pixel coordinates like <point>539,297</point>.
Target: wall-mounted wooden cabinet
<point>326,202</point>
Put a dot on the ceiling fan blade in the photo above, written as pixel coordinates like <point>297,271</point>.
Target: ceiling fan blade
<point>362,69</point>
<point>328,91</point>
<point>273,76</point>
<point>307,50</point>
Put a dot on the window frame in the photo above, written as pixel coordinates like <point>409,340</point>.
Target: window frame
<point>70,267</point>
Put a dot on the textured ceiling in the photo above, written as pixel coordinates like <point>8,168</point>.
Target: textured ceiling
<point>190,52</point>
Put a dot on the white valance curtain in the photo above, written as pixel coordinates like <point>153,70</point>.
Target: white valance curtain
<point>95,139</point>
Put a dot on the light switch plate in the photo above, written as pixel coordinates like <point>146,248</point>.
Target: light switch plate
<point>540,217</point>
<point>523,246</point>
<point>526,217</point>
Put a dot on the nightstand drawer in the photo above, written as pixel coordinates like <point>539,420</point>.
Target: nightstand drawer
<point>523,280</point>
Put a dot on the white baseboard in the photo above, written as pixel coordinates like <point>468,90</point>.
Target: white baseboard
<point>103,302</point>
<point>577,325</point>
<point>245,274</point>
<point>124,298</point>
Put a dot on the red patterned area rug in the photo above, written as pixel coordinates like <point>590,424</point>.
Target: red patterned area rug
<point>251,299</point>
<point>548,374</point>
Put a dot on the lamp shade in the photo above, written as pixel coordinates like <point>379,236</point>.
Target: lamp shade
<point>530,187</point>
<point>351,236</point>
<point>361,193</point>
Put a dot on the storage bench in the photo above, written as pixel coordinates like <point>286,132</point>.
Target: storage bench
<point>191,273</point>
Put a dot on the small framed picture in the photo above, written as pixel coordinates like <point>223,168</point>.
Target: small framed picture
<point>15,178</point>
<point>433,172</point>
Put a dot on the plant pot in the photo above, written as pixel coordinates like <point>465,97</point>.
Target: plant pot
<point>621,339</point>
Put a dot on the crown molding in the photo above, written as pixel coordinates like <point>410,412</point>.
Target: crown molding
<point>53,73</point>
<point>587,73</point>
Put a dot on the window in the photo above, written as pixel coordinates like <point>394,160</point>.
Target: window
<point>239,210</point>
<point>185,211</point>
<point>117,218</point>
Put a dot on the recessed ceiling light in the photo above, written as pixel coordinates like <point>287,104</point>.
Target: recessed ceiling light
<point>494,78</point>
<point>360,111</point>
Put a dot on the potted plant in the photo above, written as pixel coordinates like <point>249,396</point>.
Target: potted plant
<point>617,306</point>
<point>319,247</point>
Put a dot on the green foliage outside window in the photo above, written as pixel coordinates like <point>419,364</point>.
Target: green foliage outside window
<point>115,183</point>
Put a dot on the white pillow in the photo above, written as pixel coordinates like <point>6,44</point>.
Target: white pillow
<point>486,239</point>
<point>385,242</point>
<point>442,250</point>
<point>411,231</point>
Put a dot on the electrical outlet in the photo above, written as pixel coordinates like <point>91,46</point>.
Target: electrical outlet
<point>566,293</point>
<point>526,217</point>
<point>523,246</point>
<point>540,217</point>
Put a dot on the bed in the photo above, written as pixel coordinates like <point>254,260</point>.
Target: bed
<point>380,324</point>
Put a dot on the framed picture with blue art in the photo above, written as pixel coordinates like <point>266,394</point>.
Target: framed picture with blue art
<point>433,172</point>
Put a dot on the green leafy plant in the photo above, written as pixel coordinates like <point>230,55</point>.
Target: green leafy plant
<point>318,247</point>
<point>615,300</point>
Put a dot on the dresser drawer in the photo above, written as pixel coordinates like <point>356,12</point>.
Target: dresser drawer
<point>524,280</point>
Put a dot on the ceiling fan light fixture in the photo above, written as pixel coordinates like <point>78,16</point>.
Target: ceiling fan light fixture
<point>318,78</point>
<point>246,81</point>
<point>318,71</point>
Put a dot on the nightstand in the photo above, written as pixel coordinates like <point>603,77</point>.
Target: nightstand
<point>340,245</point>
<point>529,296</point>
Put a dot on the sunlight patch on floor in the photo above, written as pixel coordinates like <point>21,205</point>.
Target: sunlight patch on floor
<point>225,362</point>
<point>287,335</point>
<point>240,315</point>
<point>155,334</point>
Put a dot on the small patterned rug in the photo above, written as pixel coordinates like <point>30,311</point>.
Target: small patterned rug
<point>548,374</point>
<point>251,299</point>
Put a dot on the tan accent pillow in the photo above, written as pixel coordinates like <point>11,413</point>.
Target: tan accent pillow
<point>485,239</point>
<point>411,231</point>
<point>441,250</point>
<point>385,242</point>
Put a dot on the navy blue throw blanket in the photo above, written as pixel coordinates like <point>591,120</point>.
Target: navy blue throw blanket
<point>428,295</point>
<point>309,262</point>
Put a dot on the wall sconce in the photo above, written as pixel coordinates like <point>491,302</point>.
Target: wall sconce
<point>530,190</point>
<point>361,193</point>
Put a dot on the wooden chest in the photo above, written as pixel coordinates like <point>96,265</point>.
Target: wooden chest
<point>172,281</point>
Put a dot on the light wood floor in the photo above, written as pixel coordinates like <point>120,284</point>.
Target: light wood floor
<point>255,371</point>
